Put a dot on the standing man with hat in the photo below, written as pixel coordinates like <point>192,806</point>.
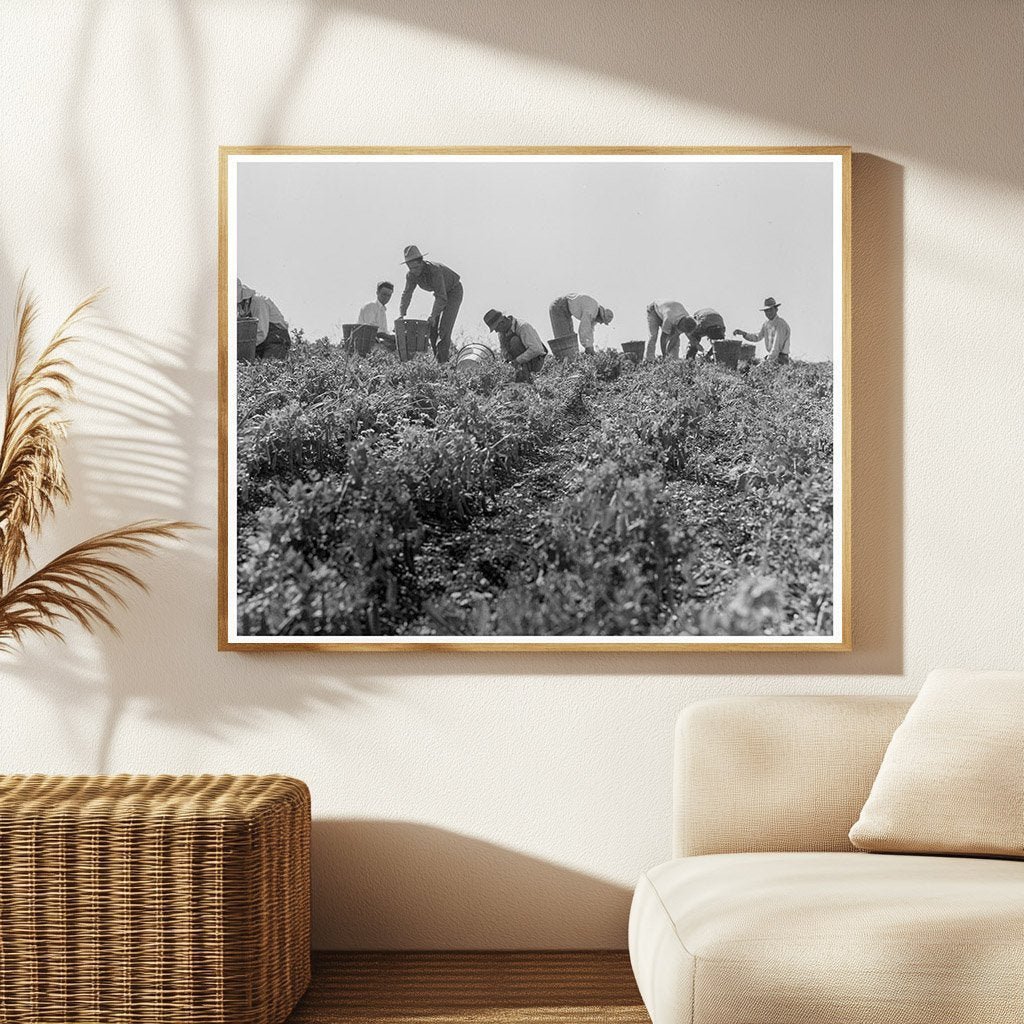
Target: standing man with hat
<point>447,289</point>
<point>774,333</point>
<point>583,308</point>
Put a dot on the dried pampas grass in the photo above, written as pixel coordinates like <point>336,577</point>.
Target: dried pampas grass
<point>82,584</point>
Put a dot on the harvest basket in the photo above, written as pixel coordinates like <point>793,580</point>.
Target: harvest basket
<point>363,337</point>
<point>247,329</point>
<point>634,349</point>
<point>412,336</point>
<point>152,899</point>
<point>565,349</point>
<point>727,353</point>
<point>747,353</point>
<point>358,338</point>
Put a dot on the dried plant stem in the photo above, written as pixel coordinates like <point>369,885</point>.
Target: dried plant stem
<point>82,584</point>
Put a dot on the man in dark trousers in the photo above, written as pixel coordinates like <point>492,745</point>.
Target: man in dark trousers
<point>447,289</point>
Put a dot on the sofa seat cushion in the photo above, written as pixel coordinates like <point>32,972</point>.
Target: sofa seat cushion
<point>817,938</point>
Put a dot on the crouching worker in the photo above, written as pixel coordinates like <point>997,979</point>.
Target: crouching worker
<point>272,337</point>
<point>669,320</point>
<point>376,315</point>
<point>520,343</point>
<point>706,324</point>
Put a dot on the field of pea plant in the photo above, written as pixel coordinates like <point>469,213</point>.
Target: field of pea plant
<point>603,498</point>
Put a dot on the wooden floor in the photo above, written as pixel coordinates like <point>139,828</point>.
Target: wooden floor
<point>471,988</point>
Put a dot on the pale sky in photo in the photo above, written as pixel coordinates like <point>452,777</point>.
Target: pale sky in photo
<point>317,236</point>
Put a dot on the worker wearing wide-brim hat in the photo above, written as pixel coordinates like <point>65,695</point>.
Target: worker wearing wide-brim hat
<point>774,333</point>
<point>584,308</point>
<point>446,287</point>
<point>520,343</point>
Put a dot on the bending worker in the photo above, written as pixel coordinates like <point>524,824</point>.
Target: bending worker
<point>707,324</point>
<point>272,337</point>
<point>670,320</point>
<point>447,288</point>
<point>774,333</point>
<point>520,342</point>
<point>583,308</point>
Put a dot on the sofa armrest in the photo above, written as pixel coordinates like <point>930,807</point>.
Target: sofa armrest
<point>760,774</point>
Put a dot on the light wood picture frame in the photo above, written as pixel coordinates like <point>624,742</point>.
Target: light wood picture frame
<point>697,500</point>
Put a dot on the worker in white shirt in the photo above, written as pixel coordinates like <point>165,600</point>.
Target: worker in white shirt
<point>669,319</point>
<point>375,314</point>
<point>774,333</point>
<point>520,343</point>
<point>584,308</point>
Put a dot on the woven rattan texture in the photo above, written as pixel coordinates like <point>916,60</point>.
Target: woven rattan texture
<point>144,899</point>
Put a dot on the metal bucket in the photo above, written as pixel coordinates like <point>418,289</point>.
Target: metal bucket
<point>565,349</point>
<point>727,353</point>
<point>412,336</point>
<point>634,349</point>
<point>247,327</point>
<point>474,357</point>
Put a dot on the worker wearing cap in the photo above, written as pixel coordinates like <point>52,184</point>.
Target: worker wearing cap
<point>669,319</point>
<point>272,337</point>
<point>774,333</point>
<point>447,289</point>
<point>707,324</point>
<point>584,308</point>
<point>509,330</point>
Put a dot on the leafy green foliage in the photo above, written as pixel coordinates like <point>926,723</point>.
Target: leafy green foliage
<point>379,498</point>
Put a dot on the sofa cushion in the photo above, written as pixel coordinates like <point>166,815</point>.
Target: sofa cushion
<point>830,938</point>
<point>950,780</point>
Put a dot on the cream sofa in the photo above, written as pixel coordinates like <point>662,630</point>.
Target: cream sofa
<point>767,914</point>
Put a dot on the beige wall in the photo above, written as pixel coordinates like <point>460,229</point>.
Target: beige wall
<point>489,800</point>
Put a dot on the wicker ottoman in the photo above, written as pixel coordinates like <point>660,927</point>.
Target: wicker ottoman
<point>145,899</point>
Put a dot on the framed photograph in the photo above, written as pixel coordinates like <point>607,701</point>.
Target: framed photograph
<point>515,399</point>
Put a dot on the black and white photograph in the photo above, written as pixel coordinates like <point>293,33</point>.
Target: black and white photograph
<point>582,399</point>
